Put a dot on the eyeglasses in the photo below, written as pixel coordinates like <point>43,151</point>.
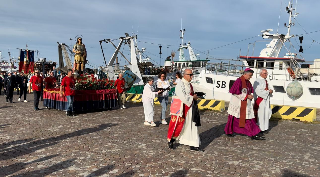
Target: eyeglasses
<point>163,76</point>
<point>189,74</point>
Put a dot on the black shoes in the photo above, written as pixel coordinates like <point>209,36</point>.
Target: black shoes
<point>231,135</point>
<point>257,137</point>
<point>192,148</point>
<point>170,144</point>
<point>71,114</point>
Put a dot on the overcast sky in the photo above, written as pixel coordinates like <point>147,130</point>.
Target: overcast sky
<point>209,24</point>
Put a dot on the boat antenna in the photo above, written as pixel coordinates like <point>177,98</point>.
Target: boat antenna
<point>279,18</point>
<point>137,30</point>
<point>182,33</point>
<point>290,10</point>
<point>160,46</point>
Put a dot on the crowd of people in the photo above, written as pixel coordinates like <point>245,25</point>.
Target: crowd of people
<point>10,81</point>
<point>248,112</point>
<point>26,83</point>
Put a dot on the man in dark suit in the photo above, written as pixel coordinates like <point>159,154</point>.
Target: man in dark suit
<point>23,85</point>
<point>17,81</point>
<point>9,85</point>
<point>5,75</point>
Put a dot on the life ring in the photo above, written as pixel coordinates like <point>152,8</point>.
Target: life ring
<point>291,73</point>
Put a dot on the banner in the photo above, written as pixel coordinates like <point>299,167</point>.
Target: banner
<point>26,61</point>
<point>21,60</point>
<point>31,60</point>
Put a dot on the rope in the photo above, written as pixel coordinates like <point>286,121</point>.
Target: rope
<point>104,58</point>
<point>235,42</point>
<point>306,32</point>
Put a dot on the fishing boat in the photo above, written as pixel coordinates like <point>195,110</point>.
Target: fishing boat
<point>293,84</point>
<point>6,66</point>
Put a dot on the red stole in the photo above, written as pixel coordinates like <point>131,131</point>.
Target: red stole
<point>243,108</point>
<point>257,103</point>
<point>176,123</point>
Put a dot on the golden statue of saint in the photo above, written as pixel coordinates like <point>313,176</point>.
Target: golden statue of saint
<point>80,55</point>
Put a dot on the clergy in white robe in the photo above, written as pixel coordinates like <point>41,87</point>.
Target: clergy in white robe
<point>184,128</point>
<point>147,100</point>
<point>262,94</point>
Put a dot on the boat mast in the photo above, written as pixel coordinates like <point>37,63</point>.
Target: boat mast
<point>277,40</point>
<point>290,10</point>
<point>182,33</point>
<point>182,46</point>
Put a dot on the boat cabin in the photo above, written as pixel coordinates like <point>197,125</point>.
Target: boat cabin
<point>274,63</point>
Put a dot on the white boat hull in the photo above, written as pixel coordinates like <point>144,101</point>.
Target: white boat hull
<point>219,90</point>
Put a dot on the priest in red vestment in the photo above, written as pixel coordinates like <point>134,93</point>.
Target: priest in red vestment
<point>184,127</point>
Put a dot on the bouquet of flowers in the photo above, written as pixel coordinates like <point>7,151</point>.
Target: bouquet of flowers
<point>89,82</point>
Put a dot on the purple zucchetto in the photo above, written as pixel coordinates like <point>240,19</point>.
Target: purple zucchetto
<point>249,70</point>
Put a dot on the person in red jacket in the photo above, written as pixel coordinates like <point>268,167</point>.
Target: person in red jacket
<point>50,82</point>
<point>36,82</point>
<point>120,83</point>
<point>67,89</point>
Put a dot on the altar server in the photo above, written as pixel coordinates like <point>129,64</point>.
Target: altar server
<point>262,94</point>
<point>147,100</point>
<point>241,116</point>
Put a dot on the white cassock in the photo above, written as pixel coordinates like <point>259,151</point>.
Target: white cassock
<point>147,99</point>
<point>189,134</point>
<point>264,111</point>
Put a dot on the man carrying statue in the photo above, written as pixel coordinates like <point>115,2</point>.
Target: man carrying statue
<point>80,55</point>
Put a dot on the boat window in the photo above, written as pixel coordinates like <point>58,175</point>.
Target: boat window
<point>280,65</point>
<point>260,64</point>
<point>270,65</point>
<point>314,91</point>
<point>286,64</point>
<point>250,63</point>
<point>209,80</point>
<point>195,64</point>
<point>279,89</point>
<point>231,83</point>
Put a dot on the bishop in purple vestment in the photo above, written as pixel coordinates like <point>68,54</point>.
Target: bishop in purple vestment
<point>241,119</point>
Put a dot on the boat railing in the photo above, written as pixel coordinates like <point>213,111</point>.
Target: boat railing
<point>228,68</point>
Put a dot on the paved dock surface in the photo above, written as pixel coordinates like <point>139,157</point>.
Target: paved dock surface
<point>116,143</point>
